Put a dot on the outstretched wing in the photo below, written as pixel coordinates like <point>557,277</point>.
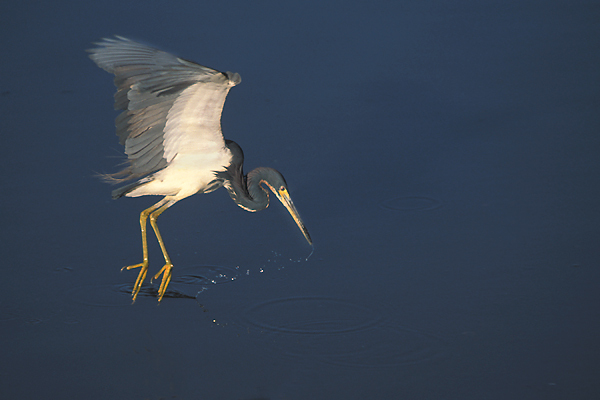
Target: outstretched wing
<point>169,105</point>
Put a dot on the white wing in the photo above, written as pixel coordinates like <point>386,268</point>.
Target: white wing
<point>171,105</point>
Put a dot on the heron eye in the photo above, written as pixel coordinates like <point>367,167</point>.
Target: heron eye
<point>281,189</point>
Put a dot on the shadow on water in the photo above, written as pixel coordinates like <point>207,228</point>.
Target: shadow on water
<point>185,285</point>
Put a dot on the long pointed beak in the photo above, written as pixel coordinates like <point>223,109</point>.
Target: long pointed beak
<point>284,196</point>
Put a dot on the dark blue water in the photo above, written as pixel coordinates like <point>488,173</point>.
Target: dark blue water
<point>444,157</point>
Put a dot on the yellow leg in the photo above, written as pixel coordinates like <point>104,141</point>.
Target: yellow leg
<point>144,264</point>
<point>166,269</point>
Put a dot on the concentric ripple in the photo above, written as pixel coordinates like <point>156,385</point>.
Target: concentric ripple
<point>335,331</point>
<point>311,315</point>
<point>379,347</point>
<point>411,203</point>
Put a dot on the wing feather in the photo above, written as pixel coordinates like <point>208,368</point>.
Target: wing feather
<point>170,105</point>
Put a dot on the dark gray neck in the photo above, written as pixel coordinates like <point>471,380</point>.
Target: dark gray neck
<point>249,195</point>
<point>245,191</point>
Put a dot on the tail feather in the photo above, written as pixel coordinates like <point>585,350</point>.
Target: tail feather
<point>123,190</point>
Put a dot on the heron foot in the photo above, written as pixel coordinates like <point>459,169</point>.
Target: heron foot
<point>140,279</point>
<point>166,273</point>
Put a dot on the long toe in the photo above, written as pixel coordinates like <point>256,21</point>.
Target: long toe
<point>140,278</point>
<point>166,273</point>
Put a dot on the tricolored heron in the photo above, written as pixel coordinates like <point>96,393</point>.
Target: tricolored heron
<point>171,129</point>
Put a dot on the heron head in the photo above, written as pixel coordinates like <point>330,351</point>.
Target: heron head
<point>276,183</point>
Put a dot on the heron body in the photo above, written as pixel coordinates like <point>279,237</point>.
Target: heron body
<point>170,126</point>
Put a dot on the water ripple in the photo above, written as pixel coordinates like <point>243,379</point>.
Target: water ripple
<point>336,331</point>
<point>311,315</point>
<point>381,346</point>
<point>186,283</point>
<point>100,295</point>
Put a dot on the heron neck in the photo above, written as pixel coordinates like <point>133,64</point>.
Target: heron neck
<point>247,192</point>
